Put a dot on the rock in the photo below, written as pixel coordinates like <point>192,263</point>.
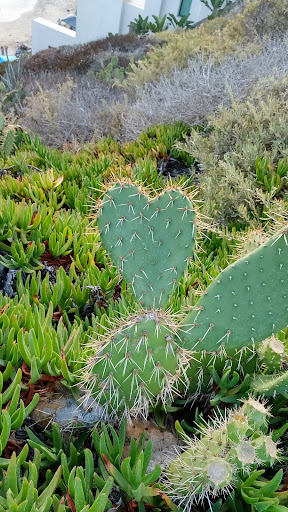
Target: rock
<point>163,441</point>
<point>61,407</point>
<point>8,278</point>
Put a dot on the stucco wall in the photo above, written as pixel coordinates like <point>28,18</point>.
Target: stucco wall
<point>45,34</point>
<point>95,18</point>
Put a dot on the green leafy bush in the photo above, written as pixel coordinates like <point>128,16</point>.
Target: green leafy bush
<point>230,149</point>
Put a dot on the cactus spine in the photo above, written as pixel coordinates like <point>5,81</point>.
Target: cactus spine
<point>138,364</point>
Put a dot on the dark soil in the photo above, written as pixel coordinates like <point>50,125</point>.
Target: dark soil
<point>172,167</point>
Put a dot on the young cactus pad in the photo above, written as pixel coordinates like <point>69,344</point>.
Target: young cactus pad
<point>149,239</point>
<point>245,304</point>
<point>136,364</point>
<point>227,448</point>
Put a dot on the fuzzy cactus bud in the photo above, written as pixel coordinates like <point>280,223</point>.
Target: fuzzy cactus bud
<point>272,354</point>
<point>212,465</point>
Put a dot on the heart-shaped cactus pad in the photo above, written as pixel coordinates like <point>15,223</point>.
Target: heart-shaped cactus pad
<point>149,239</point>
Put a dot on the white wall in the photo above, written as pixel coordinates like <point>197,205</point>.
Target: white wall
<point>45,34</point>
<point>129,13</point>
<point>96,18</point>
<point>153,7</point>
<point>199,11</point>
<point>169,6</point>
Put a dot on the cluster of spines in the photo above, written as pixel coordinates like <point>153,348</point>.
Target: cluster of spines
<point>136,365</point>
<point>227,448</point>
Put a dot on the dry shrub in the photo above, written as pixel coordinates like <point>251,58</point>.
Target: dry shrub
<point>73,109</point>
<point>189,95</point>
<point>80,58</point>
<point>220,37</point>
<point>229,146</point>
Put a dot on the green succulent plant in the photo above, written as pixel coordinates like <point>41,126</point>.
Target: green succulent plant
<point>7,140</point>
<point>130,474</point>
<point>20,494</point>
<point>25,258</point>
<point>28,334</point>
<point>14,414</point>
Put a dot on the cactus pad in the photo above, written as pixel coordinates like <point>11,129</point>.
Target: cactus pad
<point>149,239</point>
<point>245,304</point>
<point>137,364</point>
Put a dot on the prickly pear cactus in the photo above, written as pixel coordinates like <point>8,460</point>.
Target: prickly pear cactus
<point>212,465</point>
<point>149,239</point>
<point>245,304</point>
<point>136,365</point>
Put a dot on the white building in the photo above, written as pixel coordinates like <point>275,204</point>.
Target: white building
<point>96,18</point>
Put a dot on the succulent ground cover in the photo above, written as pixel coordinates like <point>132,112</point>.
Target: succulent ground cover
<point>76,314</point>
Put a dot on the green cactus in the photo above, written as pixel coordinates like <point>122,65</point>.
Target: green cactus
<point>7,140</point>
<point>150,239</point>
<point>270,385</point>
<point>245,304</point>
<point>136,365</point>
<point>226,450</point>
<point>239,308</point>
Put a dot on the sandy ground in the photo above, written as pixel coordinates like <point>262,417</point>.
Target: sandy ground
<point>14,33</point>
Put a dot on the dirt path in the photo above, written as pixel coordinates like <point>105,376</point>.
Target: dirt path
<point>17,32</point>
